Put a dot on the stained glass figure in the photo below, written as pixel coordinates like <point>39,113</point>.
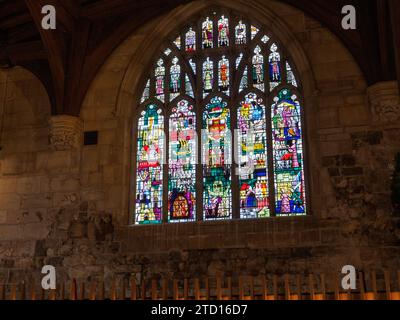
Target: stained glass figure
<point>149,179</point>
<point>193,65</point>
<point>177,42</point>
<point>244,80</point>
<point>175,79</point>
<point>160,80</point>
<point>254,30</point>
<point>240,33</point>
<point>252,148</point>
<point>238,60</point>
<point>223,75</point>
<point>182,163</point>
<point>190,41</point>
<point>291,79</point>
<point>146,92</point>
<point>288,155</point>
<point>217,197</point>
<point>207,33</point>
<point>223,32</point>
<point>274,67</point>
<point>258,69</point>
<point>208,76</point>
<point>188,87</point>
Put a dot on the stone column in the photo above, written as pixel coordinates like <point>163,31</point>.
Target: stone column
<point>66,132</point>
<point>385,101</point>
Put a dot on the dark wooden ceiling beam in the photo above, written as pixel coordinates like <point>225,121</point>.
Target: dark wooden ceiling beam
<point>26,51</point>
<point>55,46</point>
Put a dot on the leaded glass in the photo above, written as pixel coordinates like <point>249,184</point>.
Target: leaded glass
<point>223,32</point>
<point>149,180</point>
<point>208,76</point>
<point>223,75</point>
<point>190,41</point>
<point>240,33</point>
<point>207,33</point>
<point>217,198</point>
<point>160,80</point>
<point>274,67</point>
<point>258,69</point>
<point>201,70</point>
<point>252,148</point>
<point>288,155</point>
<point>291,79</point>
<point>175,79</point>
<point>182,163</point>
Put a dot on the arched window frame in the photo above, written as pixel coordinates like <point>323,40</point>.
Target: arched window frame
<point>233,99</point>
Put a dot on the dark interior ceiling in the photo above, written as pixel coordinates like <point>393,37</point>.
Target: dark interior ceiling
<point>66,59</point>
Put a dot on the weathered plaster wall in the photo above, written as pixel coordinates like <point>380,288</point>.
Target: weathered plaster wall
<point>70,208</point>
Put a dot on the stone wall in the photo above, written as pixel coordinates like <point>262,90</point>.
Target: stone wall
<point>68,205</point>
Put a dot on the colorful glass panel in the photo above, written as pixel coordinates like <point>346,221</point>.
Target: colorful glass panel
<point>208,76</point>
<point>177,42</point>
<point>254,31</point>
<point>190,40</point>
<point>149,179</point>
<point>207,33</point>
<point>288,155</point>
<point>252,147</point>
<point>160,80</point>
<point>223,32</point>
<point>274,67</point>
<point>182,163</point>
<point>258,69</point>
<point>217,197</point>
<point>188,87</point>
<point>223,75</point>
<point>175,79</point>
<point>240,33</point>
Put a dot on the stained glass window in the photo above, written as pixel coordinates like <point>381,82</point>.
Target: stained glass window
<point>223,32</point>
<point>208,75</point>
<point>160,80</point>
<point>188,87</point>
<point>190,40</point>
<point>243,80</point>
<point>207,33</point>
<point>274,67</point>
<point>258,69</point>
<point>223,75</point>
<point>146,92</point>
<point>149,180</point>
<point>177,42</point>
<point>254,31</point>
<point>202,79</point>
<point>252,146</point>
<point>175,79</point>
<point>182,163</point>
<point>291,79</point>
<point>240,33</point>
<point>217,198</point>
<point>288,154</point>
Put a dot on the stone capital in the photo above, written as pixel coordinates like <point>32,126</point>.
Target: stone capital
<point>384,101</point>
<point>65,132</point>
